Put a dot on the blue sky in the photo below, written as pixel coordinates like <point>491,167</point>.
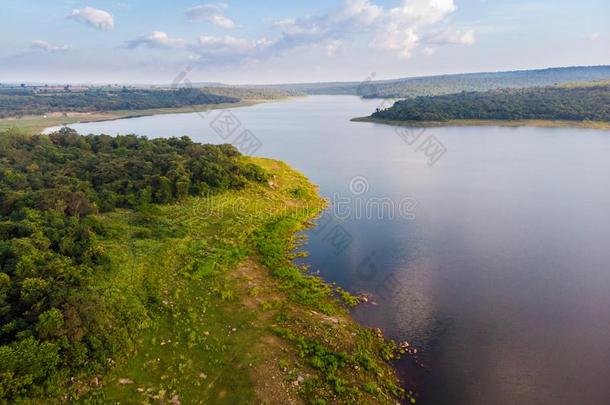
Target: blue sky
<point>279,41</point>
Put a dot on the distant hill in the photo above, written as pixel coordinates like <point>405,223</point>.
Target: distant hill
<point>453,83</point>
<point>586,102</point>
<point>27,101</point>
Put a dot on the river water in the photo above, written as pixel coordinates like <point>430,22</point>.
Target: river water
<point>487,248</point>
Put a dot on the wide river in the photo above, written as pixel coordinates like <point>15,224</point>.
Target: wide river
<point>495,263</point>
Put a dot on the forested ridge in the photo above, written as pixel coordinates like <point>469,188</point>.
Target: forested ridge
<point>408,87</point>
<point>19,102</point>
<point>54,323</point>
<point>571,103</point>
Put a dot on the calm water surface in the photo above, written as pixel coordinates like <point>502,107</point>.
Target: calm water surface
<point>502,279</point>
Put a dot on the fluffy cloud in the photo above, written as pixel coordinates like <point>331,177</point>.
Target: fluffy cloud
<point>399,30</point>
<point>326,29</point>
<point>403,26</point>
<point>398,39</point>
<point>157,39</point>
<point>354,16</point>
<point>360,11</point>
<point>212,13</point>
<point>100,19</point>
<point>47,47</point>
<point>333,47</point>
<point>422,12</point>
<point>230,49</point>
<point>452,37</point>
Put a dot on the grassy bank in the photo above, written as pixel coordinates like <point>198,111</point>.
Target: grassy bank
<point>36,124</point>
<point>501,123</point>
<point>230,319</point>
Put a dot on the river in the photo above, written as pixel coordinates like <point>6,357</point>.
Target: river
<point>487,248</point>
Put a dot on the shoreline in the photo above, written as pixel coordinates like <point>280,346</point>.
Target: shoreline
<point>502,123</point>
<point>290,333</point>
<point>36,124</point>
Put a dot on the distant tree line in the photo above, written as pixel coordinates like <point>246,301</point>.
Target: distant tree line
<point>250,93</point>
<point>453,83</point>
<point>53,323</point>
<point>19,102</point>
<point>572,103</point>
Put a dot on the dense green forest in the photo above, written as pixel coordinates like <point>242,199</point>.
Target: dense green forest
<point>53,321</point>
<point>19,102</point>
<point>249,93</point>
<point>571,103</point>
<point>453,83</point>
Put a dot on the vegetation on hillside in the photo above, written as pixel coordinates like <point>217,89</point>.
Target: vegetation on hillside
<point>159,270</point>
<point>250,93</point>
<point>19,102</point>
<point>52,319</point>
<point>454,83</point>
<point>570,103</point>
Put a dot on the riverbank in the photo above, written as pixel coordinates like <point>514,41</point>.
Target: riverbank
<point>36,124</point>
<point>232,318</point>
<point>502,123</point>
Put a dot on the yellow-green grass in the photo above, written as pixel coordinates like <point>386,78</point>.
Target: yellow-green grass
<point>226,317</point>
<point>502,123</point>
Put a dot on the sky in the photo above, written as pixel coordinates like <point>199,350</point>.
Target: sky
<point>273,41</point>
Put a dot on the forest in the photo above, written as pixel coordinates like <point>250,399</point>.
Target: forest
<point>53,321</point>
<point>20,102</point>
<point>571,103</point>
<point>408,87</point>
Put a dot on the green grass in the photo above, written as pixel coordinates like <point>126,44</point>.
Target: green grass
<point>225,316</point>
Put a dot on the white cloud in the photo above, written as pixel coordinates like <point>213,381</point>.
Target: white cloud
<point>157,39</point>
<point>398,39</point>
<point>229,49</point>
<point>212,13</point>
<point>333,47</point>
<point>429,51</point>
<point>100,19</point>
<point>594,36</point>
<point>361,11</point>
<point>452,37</point>
<point>399,30</point>
<point>47,47</point>
<point>422,12</point>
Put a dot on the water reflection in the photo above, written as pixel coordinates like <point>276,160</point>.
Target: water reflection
<point>502,276</point>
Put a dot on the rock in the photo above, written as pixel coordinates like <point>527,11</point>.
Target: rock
<point>298,381</point>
